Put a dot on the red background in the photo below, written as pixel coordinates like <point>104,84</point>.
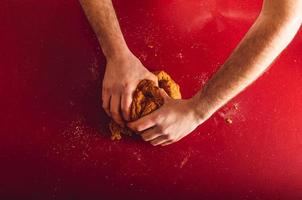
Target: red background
<point>54,141</point>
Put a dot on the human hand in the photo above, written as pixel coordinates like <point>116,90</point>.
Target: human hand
<point>170,123</point>
<point>122,75</point>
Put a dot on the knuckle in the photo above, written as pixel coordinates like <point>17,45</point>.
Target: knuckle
<point>106,88</point>
<point>165,132</point>
<point>115,89</point>
<point>127,87</point>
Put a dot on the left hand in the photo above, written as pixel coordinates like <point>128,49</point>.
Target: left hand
<point>170,123</point>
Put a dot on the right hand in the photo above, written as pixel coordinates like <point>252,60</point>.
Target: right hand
<point>122,75</point>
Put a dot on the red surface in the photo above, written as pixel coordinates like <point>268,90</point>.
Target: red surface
<point>54,141</point>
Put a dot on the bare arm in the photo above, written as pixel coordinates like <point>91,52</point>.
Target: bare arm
<point>123,69</point>
<point>103,20</point>
<point>272,31</point>
<point>270,34</point>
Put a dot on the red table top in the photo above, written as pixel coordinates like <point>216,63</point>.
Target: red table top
<point>54,141</point>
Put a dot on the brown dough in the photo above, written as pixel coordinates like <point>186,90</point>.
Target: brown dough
<point>146,99</point>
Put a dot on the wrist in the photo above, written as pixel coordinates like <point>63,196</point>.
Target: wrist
<point>116,51</point>
<point>201,108</point>
<point>121,54</point>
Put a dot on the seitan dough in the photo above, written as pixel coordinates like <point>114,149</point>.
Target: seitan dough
<point>146,99</point>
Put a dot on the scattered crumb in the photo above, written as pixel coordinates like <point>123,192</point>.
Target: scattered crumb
<point>180,55</point>
<point>143,57</point>
<point>151,46</point>
<point>228,120</point>
<point>94,69</point>
<point>184,161</point>
<point>116,133</point>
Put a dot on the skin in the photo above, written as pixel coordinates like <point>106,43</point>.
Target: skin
<point>272,31</point>
<point>123,69</point>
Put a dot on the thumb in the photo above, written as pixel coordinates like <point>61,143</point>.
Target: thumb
<point>164,94</point>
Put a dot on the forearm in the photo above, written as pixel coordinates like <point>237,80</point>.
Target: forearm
<point>269,35</point>
<point>102,17</point>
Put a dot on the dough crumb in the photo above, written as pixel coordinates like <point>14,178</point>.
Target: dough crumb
<point>228,120</point>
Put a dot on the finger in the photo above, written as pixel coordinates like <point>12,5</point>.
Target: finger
<point>171,141</point>
<point>115,104</point>
<point>167,143</point>
<point>164,94</point>
<point>159,140</point>
<point>143,123</point>
<point>106,101</point>
<point>125,105</point>
<point>150,134</point>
